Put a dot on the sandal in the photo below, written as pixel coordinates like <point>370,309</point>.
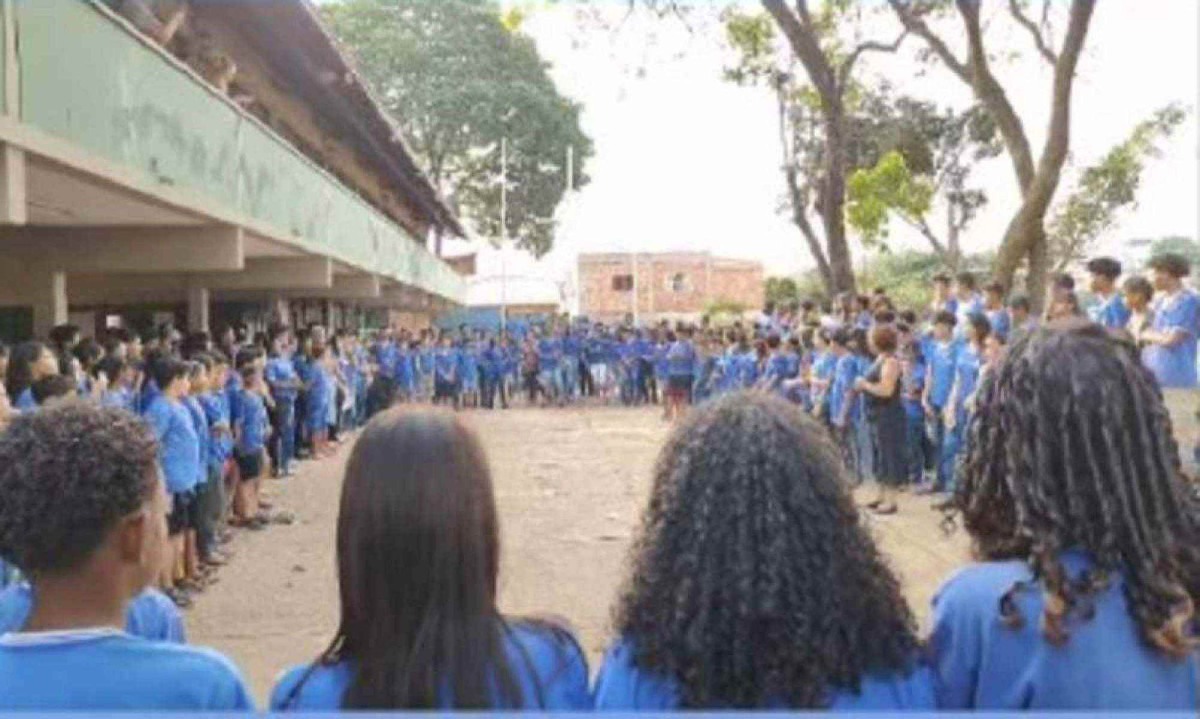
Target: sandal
<point>179,597</point>
<point>873,505</point>
<point>887,509</point>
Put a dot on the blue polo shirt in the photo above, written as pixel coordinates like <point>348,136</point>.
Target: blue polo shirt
<point>1110,312</point>
<point>1001,322</point>
<point>107,670</point>
<point>25,401</point>
<point>203,435</point>
<point>151,615</point>
<point>178,445</point>
<point>546,663</point>
<point>982,663</point>
<point>966,372</point>
<point>963,313</point>
<point>681,359</point>
<point>1175,367</point>
<point>216,409</point>
<point>622,685</point>
<point>280,374</point>
<point>253,424</point>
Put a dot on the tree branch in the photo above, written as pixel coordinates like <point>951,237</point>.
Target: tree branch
<point>803,40</point>
<point>917,26</point>
<point>1014,7</point>
<point>920,225</point>
<point>872,46</point>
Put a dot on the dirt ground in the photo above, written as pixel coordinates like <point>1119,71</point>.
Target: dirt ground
<point>570,485</point>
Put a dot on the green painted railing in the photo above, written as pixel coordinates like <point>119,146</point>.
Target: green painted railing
<point>87,79</point>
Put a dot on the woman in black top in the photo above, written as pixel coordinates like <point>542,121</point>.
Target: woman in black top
<point>885,411</point>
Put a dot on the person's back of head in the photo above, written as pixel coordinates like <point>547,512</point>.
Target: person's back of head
<point>418,494</point>
<point>1072,448</point>
<point>53,387</point>
<point>753,582</point>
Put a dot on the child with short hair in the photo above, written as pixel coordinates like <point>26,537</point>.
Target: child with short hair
<point>83,516</point>
<point>252,430</point>
<point>220,450</point>
<point>179,459</point>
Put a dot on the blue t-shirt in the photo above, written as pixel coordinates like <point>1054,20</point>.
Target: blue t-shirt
<point>118,398</point>
<point>203,434</point>
<point>151,615</point>
<point>178,445</point>
<point>981,663</point>
<point>966,372</point>
<point>280,374</point>
<point>940,361</point>
<point>25,401</point>
<point>1001,322</point>
<point>545,662</point>
<point>777,369</point>
<point>1110,312</point>
<point>108,670</point>
<point>253,424</point>
<point>1175,367</point>
<point>963,313</point>
<point>844,373</point>
<point>549,352</point>
<point>233,396</point>
<point>622,685</point>
<point>681,359</point>
<point>216,409</point>
<point>446,364</point>
<point>572,347</point>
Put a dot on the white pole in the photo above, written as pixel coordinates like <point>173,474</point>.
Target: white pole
<point>633,259</point>
<point>503,233</point>
<point>570,168</point>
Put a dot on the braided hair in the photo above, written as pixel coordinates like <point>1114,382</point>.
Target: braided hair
<point>1071,447</point>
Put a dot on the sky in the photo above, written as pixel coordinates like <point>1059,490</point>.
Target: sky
<point>685,160</point>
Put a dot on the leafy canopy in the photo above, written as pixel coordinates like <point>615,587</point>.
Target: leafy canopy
<point>457,76</point>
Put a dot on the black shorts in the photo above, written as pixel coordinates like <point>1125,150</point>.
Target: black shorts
<point>182,516</point>
<point>250,466</point>
<point>680,387</point>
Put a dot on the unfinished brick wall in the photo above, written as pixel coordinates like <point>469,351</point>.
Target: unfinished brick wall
<point>668,285</point>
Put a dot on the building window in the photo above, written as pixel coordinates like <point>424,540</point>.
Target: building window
<point>622,283</point>
<point>677,283</point>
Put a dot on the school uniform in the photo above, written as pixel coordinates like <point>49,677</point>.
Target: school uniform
<point>252,435</point>
<point>964,311</point>
<point>1110,312</point>
<point>547,664</point>
<point>823,367</point>
<point>151,614</point>
<point>916,441</point>
<point>104,669</point>
<point>220,450</point>
<point>178,456</point>
<point>446,367</point>
<point>321,397</point>
<point>940,361</point>
<point>967,365</point>
<point>745,369</point>
<point>1175,367</point>
<point>1000,321</point>
<point>622,685</point>
<point>468,363</point>
<point>980,662</point>
<point>118,398</point>
<point>281,377</point>
<point>202,520</point>
<point>864,436</point>
<point>681,369</point>
<point>25,401</point>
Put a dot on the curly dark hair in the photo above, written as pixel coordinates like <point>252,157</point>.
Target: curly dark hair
<point>1072,447</point>
<point>753,580</point>
<point>67,474</point>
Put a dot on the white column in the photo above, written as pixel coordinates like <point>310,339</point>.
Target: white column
<point>13,198</point>
<point>50,307</point>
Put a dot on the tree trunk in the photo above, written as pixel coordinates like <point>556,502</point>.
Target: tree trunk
<point>800,219</point>
<point>833,203</point>
<point>1039,273</point>
<point>953,244</point>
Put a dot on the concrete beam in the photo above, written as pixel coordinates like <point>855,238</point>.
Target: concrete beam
<point>276,273</point>
<point>141,250</point>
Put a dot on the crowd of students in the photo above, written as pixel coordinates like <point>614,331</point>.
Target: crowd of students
<point>223,414</point>
<point>754,582</point>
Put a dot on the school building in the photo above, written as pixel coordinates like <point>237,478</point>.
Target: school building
<point>206,163</point>
<point>672,286</point>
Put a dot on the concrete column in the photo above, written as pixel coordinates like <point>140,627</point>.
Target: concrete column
<point>50,306</point>
<point>13,200</point>
<point>198,308</point>
<point>281,311</point>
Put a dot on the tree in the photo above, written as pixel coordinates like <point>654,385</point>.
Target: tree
<point>946,145</point>
<point>782,291</point>
<point>816,122</point>
<point>457,76</point>
<point>1025,238</point>
<point>1107,188</point>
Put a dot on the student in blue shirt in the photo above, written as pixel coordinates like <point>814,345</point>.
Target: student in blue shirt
<point>711,616</point>
<point>418,494</point>
<point>284,383</point>
<point>1085,598</point>
<point>29,362</point>
<point>968,301</point>
<point>202,534</point>
<point>681,372</point>
<point>179,460</point>
<point>1109,308</point>
<point>943,295</point>
<point>995,311</point>
<point>1021,319</point>
<point>118,393</point>
<point>251,432</point>
<point>468,368</point>
<point>969,360</point>
<point>1170,343</point>
<point>447,368</point>
<point>941,358</point>
<point>87,478</point>
<point>220,450</point>
<point>321,397</point>
<point>150,615</point>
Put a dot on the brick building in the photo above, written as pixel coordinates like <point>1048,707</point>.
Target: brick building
<point>667,286</point>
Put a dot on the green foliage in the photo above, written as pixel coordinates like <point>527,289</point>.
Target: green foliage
<point>1178,245</point>
<point>1109,187</point>
<point>782,290</point>
<point>752,35</point>
<point>722,311</point>
<point>887,187</point>
<point>457,76</point>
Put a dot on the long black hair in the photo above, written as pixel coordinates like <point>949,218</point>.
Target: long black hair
<point>1071,447</point>
<point>418,555</point>
<point>753,579</point>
